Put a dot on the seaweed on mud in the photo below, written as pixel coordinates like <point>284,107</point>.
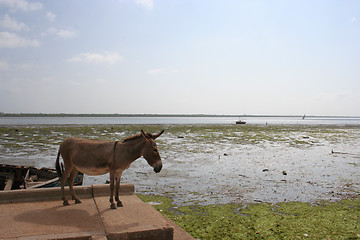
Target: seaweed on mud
<point>291,220</point>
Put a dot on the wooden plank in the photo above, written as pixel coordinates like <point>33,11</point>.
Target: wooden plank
<point>27,175</point>
<point>5,174</point>
<point>43,183</point>
<point>9,182</point>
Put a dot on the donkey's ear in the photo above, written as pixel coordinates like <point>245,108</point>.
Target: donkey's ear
<point>157,135</point>
<point>144,135</point>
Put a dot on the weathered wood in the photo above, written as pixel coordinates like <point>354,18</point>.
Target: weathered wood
<point>40,184</point>
<point>9,182</point>
<point>27,175</point>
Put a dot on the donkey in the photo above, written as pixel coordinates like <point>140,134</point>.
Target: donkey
<point>94,157</point>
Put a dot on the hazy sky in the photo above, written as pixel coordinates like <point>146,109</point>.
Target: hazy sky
<point>180,56</point>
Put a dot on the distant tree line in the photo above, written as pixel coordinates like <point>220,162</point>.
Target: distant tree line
<point>2,114</point>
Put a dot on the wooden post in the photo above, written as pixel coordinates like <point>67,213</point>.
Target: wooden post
<point>9,182</point>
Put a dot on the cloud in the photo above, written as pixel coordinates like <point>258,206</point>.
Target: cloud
<point>4,66</point>
<point>12,40</point>
<point>23,66</point>
<point>106,57</point>
<point>353,19</point>
<point>65,34</point>
<point>12,24</point>
<point>21,5</point>
<point>148,4</point>
<point>157,71</point>
<point>50,16</point>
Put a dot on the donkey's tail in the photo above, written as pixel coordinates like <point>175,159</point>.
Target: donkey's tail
<point>57,165</point>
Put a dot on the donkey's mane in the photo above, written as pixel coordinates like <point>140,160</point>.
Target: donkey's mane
<point>136,137</point>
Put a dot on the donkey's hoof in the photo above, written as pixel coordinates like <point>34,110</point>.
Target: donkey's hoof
<point>66,203</point>
<point>119,204</point>
<point>77,201</point>
<point>112,206</point>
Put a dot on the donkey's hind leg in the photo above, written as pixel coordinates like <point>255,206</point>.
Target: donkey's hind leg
<point>112,177</point>
<point>63,180</point>
<point>71,179</point>
<point>118,177</point>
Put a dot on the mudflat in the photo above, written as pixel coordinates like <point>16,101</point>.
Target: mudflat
<point>228,163</point>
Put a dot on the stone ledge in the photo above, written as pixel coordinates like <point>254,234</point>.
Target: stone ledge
<point>47,194</point>
<point>144,233</point>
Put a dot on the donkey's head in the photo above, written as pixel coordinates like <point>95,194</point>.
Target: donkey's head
<point>150,151</point>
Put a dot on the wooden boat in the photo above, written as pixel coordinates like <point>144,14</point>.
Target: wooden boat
<point>22,177</point>
<point>240,122</point>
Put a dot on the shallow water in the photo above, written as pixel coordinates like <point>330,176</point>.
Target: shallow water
<point>180,119</point>
<point>216,163</point>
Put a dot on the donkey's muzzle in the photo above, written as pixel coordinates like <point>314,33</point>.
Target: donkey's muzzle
<point>158,168</point>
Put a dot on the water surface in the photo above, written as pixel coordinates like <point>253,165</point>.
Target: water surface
<point>179,120</point>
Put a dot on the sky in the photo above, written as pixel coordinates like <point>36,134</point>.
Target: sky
<point>180,57</point>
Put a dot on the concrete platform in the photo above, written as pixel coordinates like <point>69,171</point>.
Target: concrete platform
<point>39,214</point>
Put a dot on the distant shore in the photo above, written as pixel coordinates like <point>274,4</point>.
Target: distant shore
<point>2,114</point>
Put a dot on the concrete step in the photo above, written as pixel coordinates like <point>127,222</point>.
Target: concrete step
<point>26,214</point>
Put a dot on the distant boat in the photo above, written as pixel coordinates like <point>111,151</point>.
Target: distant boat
<point>240,122</point>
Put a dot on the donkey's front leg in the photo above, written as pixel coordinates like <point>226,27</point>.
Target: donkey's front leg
<point>112,178</point>
<point>118,177</point>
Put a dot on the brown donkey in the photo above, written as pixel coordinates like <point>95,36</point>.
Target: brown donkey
<point>95,157</point>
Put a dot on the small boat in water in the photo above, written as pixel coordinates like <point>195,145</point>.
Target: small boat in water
<point>22,177</point>
<point>240,122</point>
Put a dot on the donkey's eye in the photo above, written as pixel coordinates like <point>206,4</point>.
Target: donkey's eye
<point>155,150</point>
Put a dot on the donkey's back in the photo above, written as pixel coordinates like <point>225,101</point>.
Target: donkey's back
<point>92,157</point>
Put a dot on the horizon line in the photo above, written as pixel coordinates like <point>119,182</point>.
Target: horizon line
<point>2,114</point>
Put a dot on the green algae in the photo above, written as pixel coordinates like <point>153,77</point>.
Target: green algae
<point>200,135</point>
<point>288,220</point>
